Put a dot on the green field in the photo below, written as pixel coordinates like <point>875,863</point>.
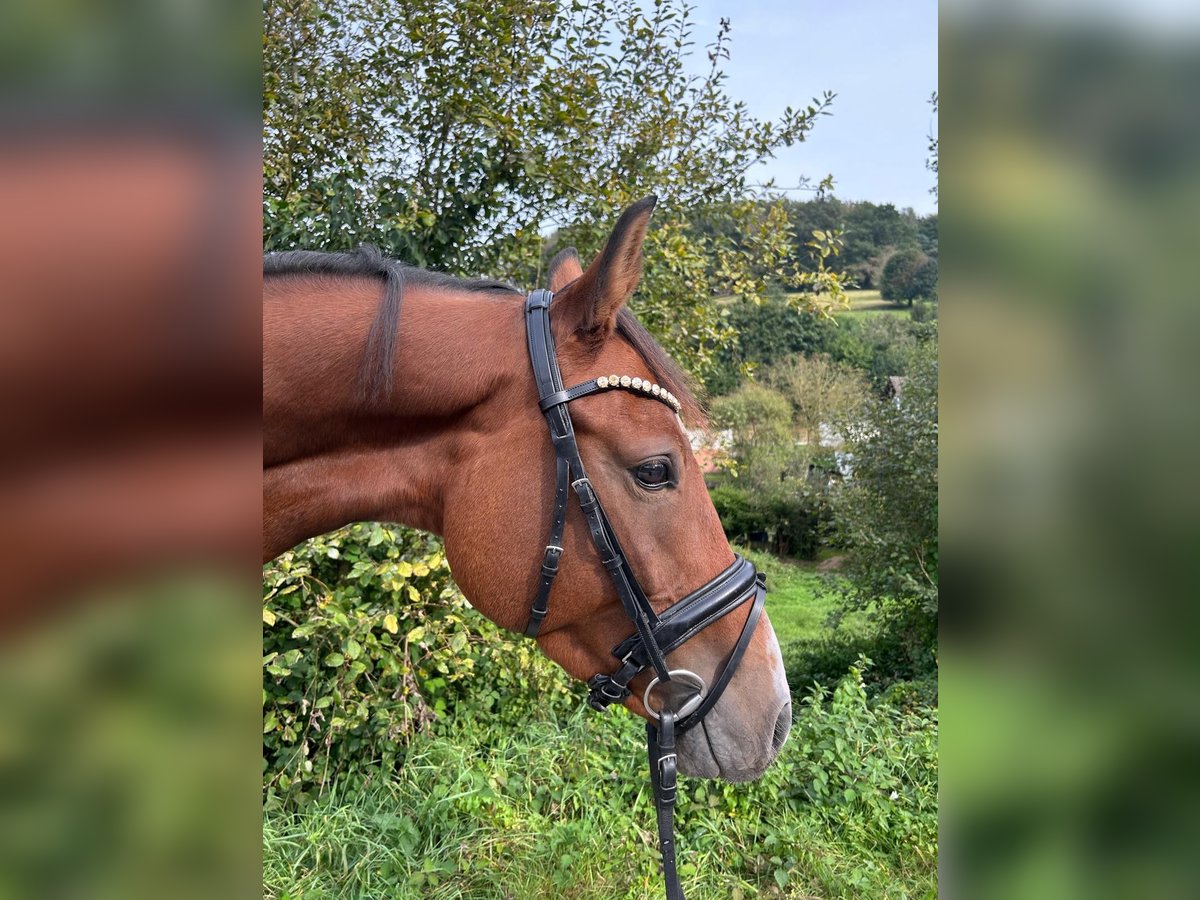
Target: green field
<point>562,810</point>
<point>799,599</point>
<point>870,303</point>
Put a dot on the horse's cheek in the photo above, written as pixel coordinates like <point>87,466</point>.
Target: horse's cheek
<point>483,538</point>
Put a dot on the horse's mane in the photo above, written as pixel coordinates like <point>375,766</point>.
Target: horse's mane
<point>375,375</point>
<point>376,371</point>
<point>664,369</point>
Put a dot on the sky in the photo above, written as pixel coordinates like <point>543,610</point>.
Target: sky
<point>878,56</point>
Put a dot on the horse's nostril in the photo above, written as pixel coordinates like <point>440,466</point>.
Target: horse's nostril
<point>782,726</point>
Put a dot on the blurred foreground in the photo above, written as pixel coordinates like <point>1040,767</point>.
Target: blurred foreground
<point>1071,184</point>
<point>129,405</point>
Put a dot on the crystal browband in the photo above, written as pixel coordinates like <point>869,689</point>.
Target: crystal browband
<point>644,385</point>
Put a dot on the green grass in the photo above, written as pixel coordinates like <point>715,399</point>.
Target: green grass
<point>799,599</point>
<point>489,809</point>
<point>563,810</point>
<point>870,303</point>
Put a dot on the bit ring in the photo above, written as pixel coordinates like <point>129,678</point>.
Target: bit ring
<point>686,676</point>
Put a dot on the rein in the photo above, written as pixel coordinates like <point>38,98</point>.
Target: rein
<point>654,635</point>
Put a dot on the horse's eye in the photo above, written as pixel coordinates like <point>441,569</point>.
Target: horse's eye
<point>654,474</point>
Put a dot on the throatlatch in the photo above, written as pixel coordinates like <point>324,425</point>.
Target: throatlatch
<point>655,635</point>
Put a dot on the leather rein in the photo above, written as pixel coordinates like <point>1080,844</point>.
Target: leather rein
<point>654,635</point>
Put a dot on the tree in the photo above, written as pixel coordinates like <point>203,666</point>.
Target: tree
<point>923,283</point>
<point>823,394</point>
<point>765,333</point>
<point>887,513</point>
<point>871,228</point>
<point>909,274</point>
<point>931,162</point>
<point>450,135</point>
<point>927,235</point>
<point>761,422</point>
<point>871,231</point>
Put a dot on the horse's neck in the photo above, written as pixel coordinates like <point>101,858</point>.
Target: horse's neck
<point>329,456</point>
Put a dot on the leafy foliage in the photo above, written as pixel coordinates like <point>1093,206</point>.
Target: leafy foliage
<point>455,770</point>
<point>908,275</point>
<point>768,333</point>
<point>761,422</point>
<point>870,232</point>
<point>793,518</point>
<point>764,333</point>
<point>367,642</point>
<point>450,135</point>
<point>896,675</point>
<point>860,761</point>
<point>822,394</point>
<point>888,511</point>
<point>448,125</point>
<point>780,494</point>
<point>931,162</point>
<point>848,810</point>
<point>881,346</point>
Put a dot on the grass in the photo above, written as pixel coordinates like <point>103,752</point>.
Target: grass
<point>799,599</point>
<point>562,809</point>
<point>870,303</point>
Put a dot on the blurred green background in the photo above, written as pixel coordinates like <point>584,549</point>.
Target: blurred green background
<point>1070,148</point>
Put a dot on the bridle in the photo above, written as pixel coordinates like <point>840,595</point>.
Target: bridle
<point>655,635</point>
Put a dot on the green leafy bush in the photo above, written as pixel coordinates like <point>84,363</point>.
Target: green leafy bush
<point>869,768</point>
<point>924,311</point>
<point>826,659</point>
<point>793,518</point>
<point>888,512</point>
<point>560,808</point>
<point>738,511</point>
<point>366,642</point>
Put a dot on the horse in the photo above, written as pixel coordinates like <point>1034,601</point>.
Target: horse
<point>396,394</point>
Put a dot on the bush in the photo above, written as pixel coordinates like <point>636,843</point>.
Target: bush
<point>366,642</point>
<point>794,519</point>
<point>895,667</point>
<point>739,514</point>
<point>888,512</point>
<point>766,333</point>
<point>869,769</point>
<point>761,422</point>
<point>924,311</point>
<point>800,520</point>
<point>847,810</point>
<point>879,345</point>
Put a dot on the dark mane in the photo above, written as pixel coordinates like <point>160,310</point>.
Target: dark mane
<point>375,375</point>
<point>376,372</point>
<point>664,369</point>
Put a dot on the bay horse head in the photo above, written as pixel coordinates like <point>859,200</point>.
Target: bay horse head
<point>638,458</point>
<point>467,442</point>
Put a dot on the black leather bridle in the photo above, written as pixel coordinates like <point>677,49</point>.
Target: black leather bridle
<point>655,635</point>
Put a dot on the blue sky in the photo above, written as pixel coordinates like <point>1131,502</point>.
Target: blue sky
<point>880,58</point>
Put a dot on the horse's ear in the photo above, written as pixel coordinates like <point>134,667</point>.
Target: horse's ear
<point>590,304</point>
<point>564,268</point>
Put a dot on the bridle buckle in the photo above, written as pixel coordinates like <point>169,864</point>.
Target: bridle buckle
<point>662,762</point>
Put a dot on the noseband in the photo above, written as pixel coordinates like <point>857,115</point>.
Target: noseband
<point>654,635</point>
